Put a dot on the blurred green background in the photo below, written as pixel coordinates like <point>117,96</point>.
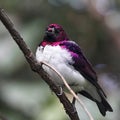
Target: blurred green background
<point>93,24</point>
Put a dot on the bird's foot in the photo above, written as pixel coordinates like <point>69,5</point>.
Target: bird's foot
<point>61,91</point>
<point>73,103</point>
<point>74,109</point>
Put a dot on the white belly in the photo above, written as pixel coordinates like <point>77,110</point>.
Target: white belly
<point>60,59</point>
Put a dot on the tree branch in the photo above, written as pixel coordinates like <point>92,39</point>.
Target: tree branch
<point>36,67</point>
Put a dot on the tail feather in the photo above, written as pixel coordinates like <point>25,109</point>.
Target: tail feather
<point>104,106</point>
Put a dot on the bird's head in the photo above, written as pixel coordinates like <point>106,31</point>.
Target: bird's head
<point>55,33</point>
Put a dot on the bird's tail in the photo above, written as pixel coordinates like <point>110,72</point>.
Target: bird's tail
<point>104,106</point>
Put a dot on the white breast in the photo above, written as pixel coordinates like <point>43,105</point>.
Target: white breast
<point>60,58</point>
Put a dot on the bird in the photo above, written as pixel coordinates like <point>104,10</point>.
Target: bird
<point>66,56</point>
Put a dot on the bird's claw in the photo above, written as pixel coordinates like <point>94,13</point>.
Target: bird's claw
<point>73,101</point>
<point>74,109</point>
<point>61,91</point>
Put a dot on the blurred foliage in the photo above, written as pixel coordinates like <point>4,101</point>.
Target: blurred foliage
<point>23,95</point>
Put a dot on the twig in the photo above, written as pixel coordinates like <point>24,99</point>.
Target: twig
<point>70,90</point>
<point>36,67</point>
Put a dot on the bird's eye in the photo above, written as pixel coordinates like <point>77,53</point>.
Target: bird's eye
<point>57,31</point>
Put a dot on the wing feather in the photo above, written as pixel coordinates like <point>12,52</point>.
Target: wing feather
<point>81,63</point>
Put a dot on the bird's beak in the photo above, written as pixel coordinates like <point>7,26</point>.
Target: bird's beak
<point>49,31</point>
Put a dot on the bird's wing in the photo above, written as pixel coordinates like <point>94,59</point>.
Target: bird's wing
<point>81,64</point>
